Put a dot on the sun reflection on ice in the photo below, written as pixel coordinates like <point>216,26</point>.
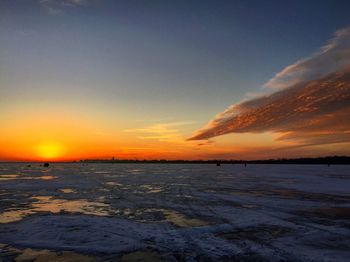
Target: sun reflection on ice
<point>49,204</point>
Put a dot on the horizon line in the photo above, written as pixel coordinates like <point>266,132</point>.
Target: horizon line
<point>115,160</point>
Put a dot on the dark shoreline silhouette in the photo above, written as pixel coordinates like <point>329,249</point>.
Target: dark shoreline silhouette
<point>329,160</point>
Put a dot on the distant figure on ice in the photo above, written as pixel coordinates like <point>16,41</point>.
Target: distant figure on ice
<point>218,163</point>
<point>46,165</point>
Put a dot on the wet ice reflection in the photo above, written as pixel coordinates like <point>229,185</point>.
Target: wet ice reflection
<point>8,177</point>
<point>47,255</point>
<point>152,189</point>
<point>174,217</point>
<point>49,204</point>
<point>23,177</point>
<point>67,190</point>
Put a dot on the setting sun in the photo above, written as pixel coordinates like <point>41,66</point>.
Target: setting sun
<point>50,150</point>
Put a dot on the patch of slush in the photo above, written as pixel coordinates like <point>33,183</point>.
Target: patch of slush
<point>48,204</point>
<point>156,215</point>
<point>8,177</point>
<point>67,190</point>
<point>45,177</point>
<point>16,177</point>
<point>152,189</point>
<point>44,255</point>
<point>47,255</point>
<point>113,184</point>
<point>179,219</point>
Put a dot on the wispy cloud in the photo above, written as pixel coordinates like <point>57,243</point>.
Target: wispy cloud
<point>58,6</point>
<point>205,143</point>
<point>164,132</point>
<point>311,105</point>
<point>331,57</point>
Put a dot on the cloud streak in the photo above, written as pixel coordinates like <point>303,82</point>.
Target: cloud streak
<point>310,104</point>
<point>331,57</point>
<point>57,6</point>
<point>163,132</point>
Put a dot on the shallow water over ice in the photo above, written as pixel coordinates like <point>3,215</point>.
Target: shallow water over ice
<point>48,204</point>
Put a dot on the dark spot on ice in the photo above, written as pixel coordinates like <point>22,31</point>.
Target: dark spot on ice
<point>332,212</point>
<point>247,257</point>
<point>326,215</point>
<point>260,233</point>
<point>144,256</point>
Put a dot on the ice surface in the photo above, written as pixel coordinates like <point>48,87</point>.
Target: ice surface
<point>175,212</point>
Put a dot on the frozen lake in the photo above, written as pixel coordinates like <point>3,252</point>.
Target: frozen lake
<point>174,212</point>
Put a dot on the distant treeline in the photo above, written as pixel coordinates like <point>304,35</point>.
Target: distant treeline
<point>329,160</point>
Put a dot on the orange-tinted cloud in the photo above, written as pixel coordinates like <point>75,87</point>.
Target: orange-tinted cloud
<point>312,106</point>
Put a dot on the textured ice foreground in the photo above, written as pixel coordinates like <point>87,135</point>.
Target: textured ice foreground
<point>174,212</point>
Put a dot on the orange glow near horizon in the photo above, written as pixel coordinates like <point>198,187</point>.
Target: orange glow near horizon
<point>57,135</point>
<point>50,150</point>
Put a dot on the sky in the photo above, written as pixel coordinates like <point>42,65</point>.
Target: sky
<point>173,79</point>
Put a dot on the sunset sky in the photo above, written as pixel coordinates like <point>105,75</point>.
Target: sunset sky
<point>173,79</point>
